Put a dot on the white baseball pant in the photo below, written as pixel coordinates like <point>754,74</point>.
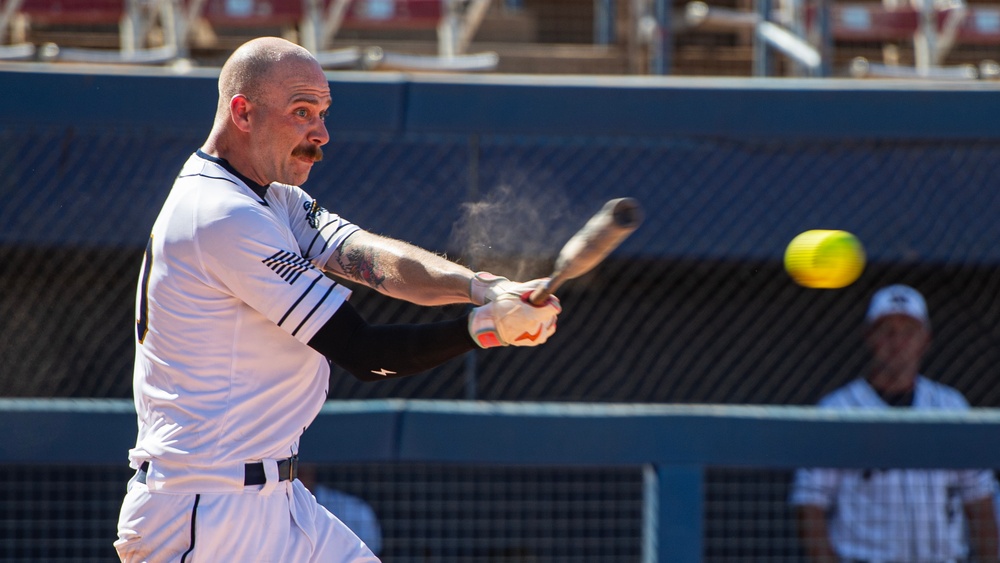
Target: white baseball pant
<point>263,526</point>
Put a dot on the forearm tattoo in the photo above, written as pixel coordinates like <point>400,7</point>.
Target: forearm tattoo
<point>360,264</point>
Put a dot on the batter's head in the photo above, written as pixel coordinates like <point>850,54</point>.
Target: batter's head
<point>269,123</point>
<point>249,68</point>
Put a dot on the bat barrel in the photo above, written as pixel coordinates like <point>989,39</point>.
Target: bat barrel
<point>625,212</point>
<point>603,233</point>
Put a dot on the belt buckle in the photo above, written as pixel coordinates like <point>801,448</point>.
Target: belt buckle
<point>293,467</point>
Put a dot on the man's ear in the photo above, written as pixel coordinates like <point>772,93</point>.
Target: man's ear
<point>239,111</point>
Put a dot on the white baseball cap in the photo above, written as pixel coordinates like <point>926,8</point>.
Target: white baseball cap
<point>898,300</point>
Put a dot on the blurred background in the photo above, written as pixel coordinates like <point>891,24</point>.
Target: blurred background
<point>945,39</point>
<point>490,130</point>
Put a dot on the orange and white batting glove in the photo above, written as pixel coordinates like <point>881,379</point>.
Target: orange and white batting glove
<point>510,320</point>
<point>486,287</point>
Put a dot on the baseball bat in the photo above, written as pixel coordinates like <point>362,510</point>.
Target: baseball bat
<point>615,221</point>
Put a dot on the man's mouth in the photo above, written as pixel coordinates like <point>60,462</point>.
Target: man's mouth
<point>308,152</point>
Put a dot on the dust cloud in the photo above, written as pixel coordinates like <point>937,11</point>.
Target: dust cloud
<point>516,233</point>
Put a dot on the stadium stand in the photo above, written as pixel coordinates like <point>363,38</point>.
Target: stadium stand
<point>453,24</point>
<point>946,39</point>
<point>159,31</point>
<point>546,36</point>
<point>915,40</point>
<point>137,31</point>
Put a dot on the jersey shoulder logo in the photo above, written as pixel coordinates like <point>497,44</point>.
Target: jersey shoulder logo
<point>288,265</point>
<point>313,212</point>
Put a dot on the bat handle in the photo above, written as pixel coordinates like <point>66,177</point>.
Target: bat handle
<point>541,294</point>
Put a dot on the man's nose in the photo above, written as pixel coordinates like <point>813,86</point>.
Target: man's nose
<point>320,135</point>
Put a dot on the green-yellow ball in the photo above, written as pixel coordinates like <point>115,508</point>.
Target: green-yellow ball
<point>825,259</point>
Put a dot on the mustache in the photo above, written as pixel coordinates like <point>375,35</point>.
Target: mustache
<point>311,152</point>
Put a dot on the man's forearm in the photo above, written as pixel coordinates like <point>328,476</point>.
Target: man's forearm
<point>814,535</point>
<point>983,536</point>
<point>401,270</point>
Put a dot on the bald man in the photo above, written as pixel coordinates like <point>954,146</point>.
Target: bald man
<point>239,314</point>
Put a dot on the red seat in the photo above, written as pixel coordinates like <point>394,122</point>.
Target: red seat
<point>84,12</point>
<point>238,13</point>
<point>873,22</point>
<point>981,26</point>
<point>866,22</point>
<point>393,14</point>
<point>361,14</point>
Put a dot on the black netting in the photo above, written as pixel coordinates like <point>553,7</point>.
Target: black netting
<point>694,307</point>
<point>424,512</point>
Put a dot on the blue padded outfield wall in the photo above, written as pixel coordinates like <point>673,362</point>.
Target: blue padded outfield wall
<point>677,445</point>
<point>664,141</point>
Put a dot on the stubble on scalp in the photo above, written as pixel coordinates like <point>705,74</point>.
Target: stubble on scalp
<point>249,68</point>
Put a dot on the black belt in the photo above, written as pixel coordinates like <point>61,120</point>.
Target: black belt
<point>288,469</point>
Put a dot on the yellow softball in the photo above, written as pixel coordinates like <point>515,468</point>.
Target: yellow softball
<point>825,259</point>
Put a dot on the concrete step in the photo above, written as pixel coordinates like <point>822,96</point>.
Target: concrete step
<point>521,58</point>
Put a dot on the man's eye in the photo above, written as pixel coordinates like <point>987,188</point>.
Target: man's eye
<point>323,114</point>
<point>302,112</point>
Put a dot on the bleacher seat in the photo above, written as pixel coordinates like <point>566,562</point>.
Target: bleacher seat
<point>376,14</point>
<point>132,20</point>
<point>879,22</point>
<point>453,22</point>
<point>872,21</point>
<point>73,11</point>
<point>932,40</point>
<point>189,24</point>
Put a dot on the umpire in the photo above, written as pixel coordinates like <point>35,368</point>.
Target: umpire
<point>896,515</point>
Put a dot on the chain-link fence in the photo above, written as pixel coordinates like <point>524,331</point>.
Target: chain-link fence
<point>440,513</point>
<point>423,512</point>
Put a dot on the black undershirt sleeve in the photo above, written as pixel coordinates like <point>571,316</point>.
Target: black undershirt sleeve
<point>375,352</point>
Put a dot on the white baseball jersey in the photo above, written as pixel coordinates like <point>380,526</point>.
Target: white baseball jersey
<point>894,514</point>
<point>228,297</point>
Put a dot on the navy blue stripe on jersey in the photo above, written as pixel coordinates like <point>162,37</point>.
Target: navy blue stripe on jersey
<point>223,178</point>
<point>288,265</point>
<point>209,177</point>
<point>326,241</point>
<point>314,309</point>
<point>142,323</point>
<point>299,300</point>
<point>194,517</point>
<point>258,189</point>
